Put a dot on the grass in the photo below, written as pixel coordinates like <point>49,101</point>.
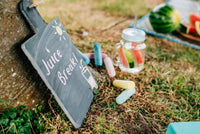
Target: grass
<point>20,120</point>
<point>167,90</point>
<point>176,85</point>
<point>119,7</point>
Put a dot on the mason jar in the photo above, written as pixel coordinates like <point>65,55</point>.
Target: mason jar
<point>131,51</point>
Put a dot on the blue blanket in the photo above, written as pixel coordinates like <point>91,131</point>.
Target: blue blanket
<point>185,7</point>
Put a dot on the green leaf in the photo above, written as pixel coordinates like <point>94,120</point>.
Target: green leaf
<point>112,105</point>
<point>22,107</point>
<point>28,130</point>
<point>29,115</point>
<point>40,126</point>
<point>40,108</point>
<point>96,91</point>
<point>27,125</point>
<point>4,122</point>
<point>92,108</point>
<point>63,116</point>
<point>19,121</point>
<point>32,113</point>
<point>21,130</point>
<point>35,121</point>
<point>102,105</point>
<point>14,110</point>
<point>25,115</point>
<point>4,116</point>
<point>49,115</point>
<point>12,115</point>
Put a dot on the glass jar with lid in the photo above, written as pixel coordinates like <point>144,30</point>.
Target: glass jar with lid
<point>131,50</point>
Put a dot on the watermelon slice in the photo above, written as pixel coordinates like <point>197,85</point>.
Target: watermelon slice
<point>129,57</point>
<point>192,30</point>
<point>138,55</point>
<point>193,18</point>
<point>124,61</point>
<point>188,29</point>
<point>197,26</point>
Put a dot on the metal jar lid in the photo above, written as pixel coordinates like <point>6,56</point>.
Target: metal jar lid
<point>133,35</point>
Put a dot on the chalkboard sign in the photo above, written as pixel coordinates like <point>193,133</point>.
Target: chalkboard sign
<point>56,59</point>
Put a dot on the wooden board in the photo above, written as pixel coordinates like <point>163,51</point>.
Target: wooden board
<point>190,37</point>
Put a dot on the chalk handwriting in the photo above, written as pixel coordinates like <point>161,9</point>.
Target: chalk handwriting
<point>68,70</point>
<point>51,62</point>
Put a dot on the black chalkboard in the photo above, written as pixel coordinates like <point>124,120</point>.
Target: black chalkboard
<point>60,65</point>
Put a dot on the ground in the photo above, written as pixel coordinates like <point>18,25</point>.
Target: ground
<point>167,90</point>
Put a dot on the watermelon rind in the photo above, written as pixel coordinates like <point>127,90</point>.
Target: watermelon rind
<point>187,29</point>
<point>183,28</point>
<point>165,20</point>
<point>197,26</point>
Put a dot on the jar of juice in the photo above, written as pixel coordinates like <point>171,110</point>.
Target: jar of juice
<point>131,50</point>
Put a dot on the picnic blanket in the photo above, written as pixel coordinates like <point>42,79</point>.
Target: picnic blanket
<point>185,7</point>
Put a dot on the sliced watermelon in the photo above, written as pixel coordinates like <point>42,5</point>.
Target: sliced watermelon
<point>124,61</point>
<point>197,26</point>
<point>129,57</point>
<point>188,29</point>
<point>138,55</point>
<point>193,18</point>
<point>192,30</point>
